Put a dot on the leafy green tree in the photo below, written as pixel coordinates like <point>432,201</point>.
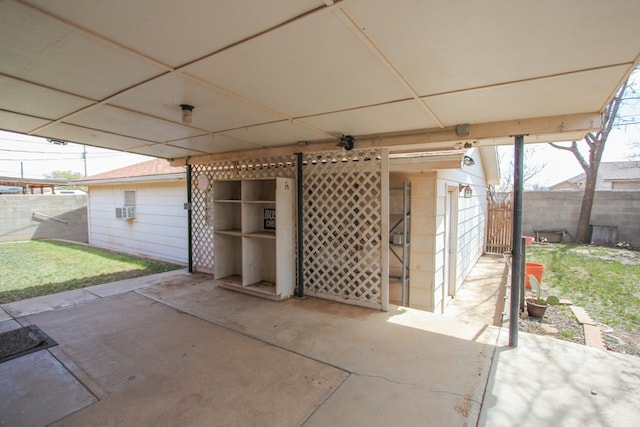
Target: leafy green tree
<point>66,176</point>
<point>63,175</point>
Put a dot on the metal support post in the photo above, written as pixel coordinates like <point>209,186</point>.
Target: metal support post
<point>300,224</point>
<point>189,219</point>
<point>523,270</point>
<point>517,262</point>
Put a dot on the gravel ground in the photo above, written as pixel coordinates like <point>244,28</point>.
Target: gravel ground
<point>622,342</point>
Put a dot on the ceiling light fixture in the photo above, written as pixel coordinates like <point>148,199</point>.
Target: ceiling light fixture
<point>186,113</point>
<point>468,161</point>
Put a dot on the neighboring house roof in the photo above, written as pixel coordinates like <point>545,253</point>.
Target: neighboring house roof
<point>608,172</point>
<point>8,180</point>
<point>28,184</point>
<point>152,170</point>
<point>620,171</point>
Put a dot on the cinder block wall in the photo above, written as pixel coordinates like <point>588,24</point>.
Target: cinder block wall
<point>560,209</point>
<point>31,217</point>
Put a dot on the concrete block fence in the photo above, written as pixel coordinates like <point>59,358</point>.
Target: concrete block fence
<point>560,209</point>
<point>33,217</point>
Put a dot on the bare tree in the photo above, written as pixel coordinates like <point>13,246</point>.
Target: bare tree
<point>502,191</point>
<point>595,142</point>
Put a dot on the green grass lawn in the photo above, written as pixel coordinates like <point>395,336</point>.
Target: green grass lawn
<point>604,281</point>
<point>35,268</point>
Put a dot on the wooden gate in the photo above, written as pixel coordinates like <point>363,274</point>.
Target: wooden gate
<point>499,227</point>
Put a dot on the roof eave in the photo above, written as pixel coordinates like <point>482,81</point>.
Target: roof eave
<point>132,179</point>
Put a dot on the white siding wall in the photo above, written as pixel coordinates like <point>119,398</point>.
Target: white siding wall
<point>472,219</point>
<point>159,229</point>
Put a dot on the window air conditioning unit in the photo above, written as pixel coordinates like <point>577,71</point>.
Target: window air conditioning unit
<point>127,212</point>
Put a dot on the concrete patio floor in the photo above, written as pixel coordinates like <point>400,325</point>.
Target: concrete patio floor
<point>175,349</point>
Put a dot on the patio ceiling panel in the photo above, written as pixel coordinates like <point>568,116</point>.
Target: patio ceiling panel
<point>130,123</point>
<point>21,97</point>
<point>265,74</point>
<point>458,44</point>
<point>20,123</point>
<point>164,151</point>
<point>56,55</point>
<point>215,110</point>
<point>177,32</point>
<point>214,142</point>
<point>278,133</point>
<point>507,102</point>
<point>391,117</point>
<point>314,65</point>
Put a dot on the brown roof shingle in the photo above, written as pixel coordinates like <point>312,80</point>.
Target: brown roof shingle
<point>148,168</point>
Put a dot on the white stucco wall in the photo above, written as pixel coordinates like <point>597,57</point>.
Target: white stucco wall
<point>159,230</point>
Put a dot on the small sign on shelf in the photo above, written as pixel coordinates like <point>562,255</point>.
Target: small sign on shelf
<point>269,219</point>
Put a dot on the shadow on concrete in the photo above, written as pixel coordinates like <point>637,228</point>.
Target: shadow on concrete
<point>546,381</point>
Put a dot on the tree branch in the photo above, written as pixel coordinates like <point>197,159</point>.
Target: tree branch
<point>576,153</point>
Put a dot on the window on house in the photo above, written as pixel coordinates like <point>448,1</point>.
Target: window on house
<point>128,211</point>
<point>130,198</point>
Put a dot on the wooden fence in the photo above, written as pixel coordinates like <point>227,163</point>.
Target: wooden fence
<point>499,228</point>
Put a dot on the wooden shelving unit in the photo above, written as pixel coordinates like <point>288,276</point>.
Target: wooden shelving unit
<point>254,247</point>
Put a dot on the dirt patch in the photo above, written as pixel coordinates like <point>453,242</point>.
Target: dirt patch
<point>464,407</point>
<point>623,256</point>
<point>558,322</point>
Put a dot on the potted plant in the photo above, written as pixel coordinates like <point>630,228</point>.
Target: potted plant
<point>536,306</point>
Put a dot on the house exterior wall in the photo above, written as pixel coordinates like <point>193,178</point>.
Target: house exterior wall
<point>625,185</point>
<point>428,288</point>
<point>159,230</point>
<point>471,225</point>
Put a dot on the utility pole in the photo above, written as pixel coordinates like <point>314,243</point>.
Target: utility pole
<point>84,157</point>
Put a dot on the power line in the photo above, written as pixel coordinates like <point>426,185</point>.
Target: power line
<point>35,152</point>
<point>80,154</point>
<point>43,160</point>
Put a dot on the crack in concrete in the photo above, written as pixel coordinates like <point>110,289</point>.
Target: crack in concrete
<point>417,385</point>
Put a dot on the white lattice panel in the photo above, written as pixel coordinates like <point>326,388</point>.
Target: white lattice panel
<point>344,227</point>
<point>201,223</point>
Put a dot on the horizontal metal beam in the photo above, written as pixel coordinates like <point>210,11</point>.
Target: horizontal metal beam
<point>427,139</point>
